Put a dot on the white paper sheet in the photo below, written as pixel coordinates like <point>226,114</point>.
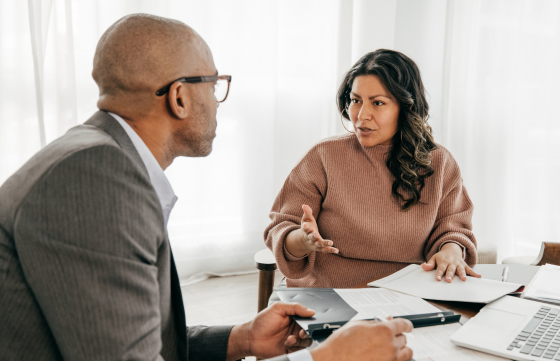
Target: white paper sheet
<point>413,280</point>
<point>545,285</point>
<point>434,344</point>
<point>380,302</point>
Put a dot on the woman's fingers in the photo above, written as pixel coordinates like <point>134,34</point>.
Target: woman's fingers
<point>311,233</point>
<point>325,245</point>
<point>329,250</point>
<point>470,272</point>
<point>309,227</point>
<point>307,214</point>
<point>461,273</point>
<point>449,264</point>
<point>450,274</point>
<point>430,265</point>
<point>317,243</point>
<point>316,240</point>
<point>441,268</point>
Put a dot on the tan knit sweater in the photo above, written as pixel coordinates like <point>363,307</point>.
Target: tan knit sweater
<point>348,187</point>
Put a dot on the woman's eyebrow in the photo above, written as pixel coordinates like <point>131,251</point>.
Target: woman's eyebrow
<point>372,97</point>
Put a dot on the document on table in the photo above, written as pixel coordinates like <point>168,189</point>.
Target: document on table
<point>434,344</point>
<point>545,286</point>
<point>414,281</point>
<point>379,302</point>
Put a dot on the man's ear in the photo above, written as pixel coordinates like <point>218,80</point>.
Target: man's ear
<point>179,100</point>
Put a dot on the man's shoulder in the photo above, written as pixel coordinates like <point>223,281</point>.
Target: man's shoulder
<point>79,140</point>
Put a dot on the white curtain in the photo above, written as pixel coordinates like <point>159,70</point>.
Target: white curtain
<point>491,89</point>
<point>501,116</point>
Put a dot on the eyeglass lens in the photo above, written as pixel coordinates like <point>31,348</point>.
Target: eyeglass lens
<point>221,90</point>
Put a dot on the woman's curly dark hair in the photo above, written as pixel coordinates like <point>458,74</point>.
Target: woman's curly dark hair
<point>409,160</point>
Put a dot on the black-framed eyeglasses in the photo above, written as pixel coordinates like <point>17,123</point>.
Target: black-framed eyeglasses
<point>221,88</point>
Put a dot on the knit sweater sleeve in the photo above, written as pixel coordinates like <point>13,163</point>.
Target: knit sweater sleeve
<point>454,216</point>
<point>306,184</point>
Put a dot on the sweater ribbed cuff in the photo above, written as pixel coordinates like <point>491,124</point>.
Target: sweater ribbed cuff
<point>291,257</point>
<point>457,243</point>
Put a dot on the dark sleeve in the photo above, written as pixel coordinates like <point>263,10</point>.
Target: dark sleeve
<point>87,236</point>
<point>208,343</point>
<point>306,184</point>
<point>454,216</point>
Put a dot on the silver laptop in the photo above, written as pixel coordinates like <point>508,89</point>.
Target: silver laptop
<point>514,328</point>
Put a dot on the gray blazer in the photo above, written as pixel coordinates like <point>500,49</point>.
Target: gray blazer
<point>86,270</point>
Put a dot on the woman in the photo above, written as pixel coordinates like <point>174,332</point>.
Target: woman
<point>378,199</point>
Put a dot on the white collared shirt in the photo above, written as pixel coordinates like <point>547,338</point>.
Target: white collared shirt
<point>161,184</point>
<point>167,197</point>
<point>302,355</point>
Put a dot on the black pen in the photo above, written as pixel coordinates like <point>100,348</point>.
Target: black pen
<point>432,319</point>
<point>335,325</point>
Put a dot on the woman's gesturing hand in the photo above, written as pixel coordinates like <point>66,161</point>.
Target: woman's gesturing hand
<point>310,233</point>
<point>449,261</point>
<point>307,238</point>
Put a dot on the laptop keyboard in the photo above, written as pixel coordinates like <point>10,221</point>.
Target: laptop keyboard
<point>540,337</point>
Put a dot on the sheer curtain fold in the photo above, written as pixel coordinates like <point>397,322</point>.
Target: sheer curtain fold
<point>489,68</point>
<point>499,124</point>
<point>39,18</point>
<point>51,28</point>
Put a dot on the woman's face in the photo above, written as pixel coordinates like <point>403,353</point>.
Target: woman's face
<point>374,111</point>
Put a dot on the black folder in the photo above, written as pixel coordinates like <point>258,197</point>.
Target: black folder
<point>332,312</point>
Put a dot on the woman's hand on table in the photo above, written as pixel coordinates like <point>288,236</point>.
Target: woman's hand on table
<point>307,238</point>
<point>449,262</point>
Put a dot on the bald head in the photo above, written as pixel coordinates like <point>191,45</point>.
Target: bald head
<point>141,53</point>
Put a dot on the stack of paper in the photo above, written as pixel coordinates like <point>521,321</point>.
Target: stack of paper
<point>381,303</point>
<point>413,280</point>
<point>545,286</point>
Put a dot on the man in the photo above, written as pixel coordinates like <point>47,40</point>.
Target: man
<point>86,270</point>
